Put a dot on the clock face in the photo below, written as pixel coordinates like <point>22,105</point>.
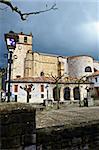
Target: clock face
<point>19,47</point>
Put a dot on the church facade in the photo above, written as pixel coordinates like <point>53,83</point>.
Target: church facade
<point>41,71</point>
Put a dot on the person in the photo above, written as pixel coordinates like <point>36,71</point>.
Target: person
<point>86,102</point>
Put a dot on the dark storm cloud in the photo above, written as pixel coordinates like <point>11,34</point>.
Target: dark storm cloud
<point>70,30</point>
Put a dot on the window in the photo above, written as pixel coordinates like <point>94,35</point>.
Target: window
<point>17,38</point>
<point>88,69</point>
<point>15,88</point>
<point>42,88</point>
<point>18,76</point>
<point>96,79</point>
<point>76,93</point>
<point>25,39</point>
<point>42,95</point>
<point>42,74</point>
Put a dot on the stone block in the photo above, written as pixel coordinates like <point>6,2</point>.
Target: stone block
<point>15,122</point>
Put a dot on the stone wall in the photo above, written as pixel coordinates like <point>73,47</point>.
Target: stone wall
<point>44,63</point>
<point>77,65</point>
<point>85,137</point>
<point>20,52</point>
<point>96,65</point>
<point>17,127</point>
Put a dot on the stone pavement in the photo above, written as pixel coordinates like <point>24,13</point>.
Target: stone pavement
<point>68,115</point>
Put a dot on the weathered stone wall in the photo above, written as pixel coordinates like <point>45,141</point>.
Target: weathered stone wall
<point>62,66</point>
<point>28,71</point>
<point>77,65</point>
<point>85,137</point>
<point>44,63</point>
<point>21,49</point>
<point>17,127</point>
<point>96,65</point>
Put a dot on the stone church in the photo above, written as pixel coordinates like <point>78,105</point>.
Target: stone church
<point>41,70</point>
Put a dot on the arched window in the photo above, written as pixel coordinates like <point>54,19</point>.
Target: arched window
<point>88,69</point>
<point>76,93</point>
<point>42,73</point>
<point>67,93</point>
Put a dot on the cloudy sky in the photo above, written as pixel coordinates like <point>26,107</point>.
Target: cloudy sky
<point>73,29</point>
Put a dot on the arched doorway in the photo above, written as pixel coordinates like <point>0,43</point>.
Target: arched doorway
<point>56,94</point>
<point>76,93</point>
<point>67,93</point>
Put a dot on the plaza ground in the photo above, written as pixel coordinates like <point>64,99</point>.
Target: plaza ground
<point>69,115</point>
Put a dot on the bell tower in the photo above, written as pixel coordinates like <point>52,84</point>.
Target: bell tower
<point>23,45</point>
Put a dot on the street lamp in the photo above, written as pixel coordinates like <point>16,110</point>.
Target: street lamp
<point>10,39</point>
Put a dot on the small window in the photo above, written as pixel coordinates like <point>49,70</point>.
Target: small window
<point>18,76</point>
<point>25,39</point>
<point>17,39</point>
<point>42,74</point>
<point>96,79</point>
<point>42,95</point>
<point>42,88</point>
<point>88,69</point>
<point>15,88</point>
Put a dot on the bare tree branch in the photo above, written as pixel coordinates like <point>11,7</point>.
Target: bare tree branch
<point>25,15</point>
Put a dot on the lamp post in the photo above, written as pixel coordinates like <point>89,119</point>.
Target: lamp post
<point>10,39</point>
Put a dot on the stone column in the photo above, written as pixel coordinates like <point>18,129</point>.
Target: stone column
<point>71,94</point>
<point>62,94</point>
<point>50,91</point>
<point>81,93</point>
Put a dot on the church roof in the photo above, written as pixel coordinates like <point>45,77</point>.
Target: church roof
<point>44,79</point>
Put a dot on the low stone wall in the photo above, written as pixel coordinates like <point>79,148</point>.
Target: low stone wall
<point>17,127</point>
<point>84,137</point>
